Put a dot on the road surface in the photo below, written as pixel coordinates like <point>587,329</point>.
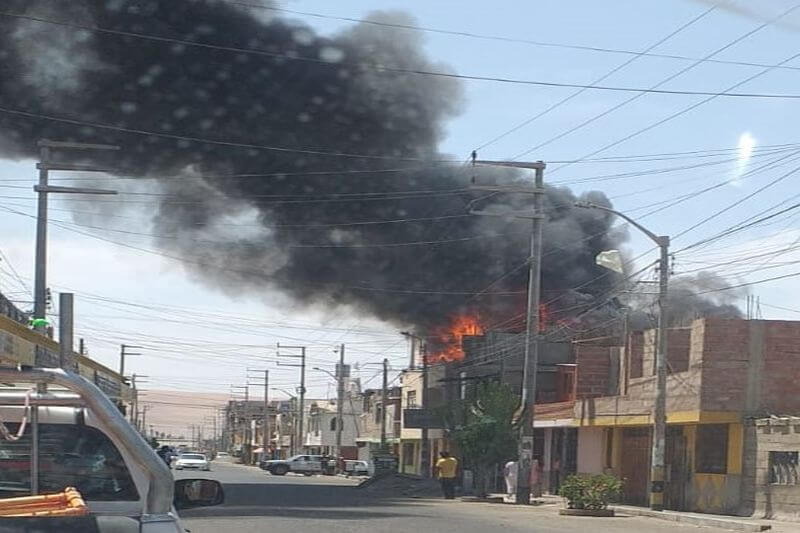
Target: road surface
<point>259,502</point>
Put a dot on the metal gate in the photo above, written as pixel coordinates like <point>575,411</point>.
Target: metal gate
<point>676,469</point>
<point>635,465</point>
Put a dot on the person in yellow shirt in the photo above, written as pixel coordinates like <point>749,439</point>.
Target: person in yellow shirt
<point>446,469</point>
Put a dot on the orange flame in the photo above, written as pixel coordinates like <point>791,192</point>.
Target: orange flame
<point>447,339</point>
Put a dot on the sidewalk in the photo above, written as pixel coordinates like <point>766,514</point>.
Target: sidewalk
<point>732,523</point>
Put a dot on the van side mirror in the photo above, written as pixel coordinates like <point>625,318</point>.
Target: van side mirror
<point>198,493</point>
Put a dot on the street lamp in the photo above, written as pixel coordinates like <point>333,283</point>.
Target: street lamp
<point>331,374</point>
<point>657,480</point>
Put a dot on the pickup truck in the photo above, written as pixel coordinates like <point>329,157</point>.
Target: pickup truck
<point>74,436</point>
<point>300,464</point>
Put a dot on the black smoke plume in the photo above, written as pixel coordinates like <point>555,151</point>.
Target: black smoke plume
<point>315,238</point>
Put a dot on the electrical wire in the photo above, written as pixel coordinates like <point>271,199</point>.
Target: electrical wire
<point>602,78</point>
<point>500,38</point>
<point>655,86</point>
<point>381,68</point>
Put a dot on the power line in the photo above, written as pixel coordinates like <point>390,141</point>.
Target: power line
<point>605,76</point>
<point>383,68</point>
<point>500,38</point>
<point>655,86</point>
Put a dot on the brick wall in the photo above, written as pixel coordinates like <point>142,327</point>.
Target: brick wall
<point>635,351</point>
<point>760,496</point>
<point>780,374</point>
<point>594,364</point>
<point>678,347</point>
<point>725,359</point>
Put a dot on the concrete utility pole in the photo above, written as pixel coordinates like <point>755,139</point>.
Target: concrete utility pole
<point>302,392</point>
<point>341,375</point>
<point>123,352</point>
<point>45,165</point>
<point>657,460</point>
<point>384,402</point>
<point>65,323</point>
<point>136,380</point>
<point>425,448</point>
<point>267,429</point>
<point>266,435</point>
<point>531,358</point>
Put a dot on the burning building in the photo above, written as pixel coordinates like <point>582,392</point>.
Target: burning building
<point>270,158</point>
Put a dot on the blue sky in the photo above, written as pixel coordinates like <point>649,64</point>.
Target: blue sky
<point>91,267</point>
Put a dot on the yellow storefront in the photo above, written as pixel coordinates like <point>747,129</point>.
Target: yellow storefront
<point>703,458</point>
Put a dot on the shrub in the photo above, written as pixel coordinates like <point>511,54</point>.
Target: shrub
<point>590,492</point>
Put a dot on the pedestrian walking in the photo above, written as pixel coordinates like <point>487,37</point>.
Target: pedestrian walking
<point>510,472</point>
<point>445,469</point>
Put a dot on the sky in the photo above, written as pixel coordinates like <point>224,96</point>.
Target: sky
<point>195,338</point>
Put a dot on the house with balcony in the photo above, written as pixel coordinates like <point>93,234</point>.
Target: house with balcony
<point>321,426</point>
<point>372,411</point>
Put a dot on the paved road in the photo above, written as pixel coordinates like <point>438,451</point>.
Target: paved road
<point>258,502</point>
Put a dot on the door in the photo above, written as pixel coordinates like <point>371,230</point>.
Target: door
<point>314,463</point>
<point>635,465</point>
<point>676,469</point>
<point>300,464</point>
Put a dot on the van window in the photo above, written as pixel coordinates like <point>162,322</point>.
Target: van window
<point>69,456</point>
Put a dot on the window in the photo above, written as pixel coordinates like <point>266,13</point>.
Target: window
<point>411,399</point>
<point>783,467</point>
<point>69,456</point>
<point>378,413</point>
<point>333,424</point>
<point>711,449</point>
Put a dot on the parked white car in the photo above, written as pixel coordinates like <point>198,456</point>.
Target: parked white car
<point>302,464</point>
<point>356,468</point>
<point>193,461</point>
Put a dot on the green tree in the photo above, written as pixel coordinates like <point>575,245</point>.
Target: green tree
<point>153,443</point>
<point>483,426</point>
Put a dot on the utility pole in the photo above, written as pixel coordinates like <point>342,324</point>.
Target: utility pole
<point>45,165</point>
<point>340,375</point>
<point>65,325</point>
<point>246,447</point>
<point>123,352</point>
<point>267,428</point>
<point>143,428</point>
<point>425,460</point>
<point>412,362</point>
<point>134,400</point>
<point>302,392</point>
<point>384,402</point>
<point>531,357</point>
<point>266,434</point>
<point>657,460</point>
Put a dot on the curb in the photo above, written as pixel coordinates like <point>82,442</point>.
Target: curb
<point>708,521</point>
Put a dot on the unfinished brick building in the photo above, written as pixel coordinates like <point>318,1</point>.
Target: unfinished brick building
<point>727,379</point>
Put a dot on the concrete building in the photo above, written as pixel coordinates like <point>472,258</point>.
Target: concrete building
<point>412,397</point>
<point>369,442</point>
<point>731,398</point>
<point>320,435</point>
